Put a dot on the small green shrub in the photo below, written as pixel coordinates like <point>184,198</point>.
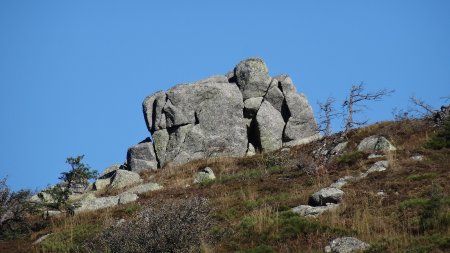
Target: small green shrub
<point>351,158</point>
<point>417,177</point>
<point>414,202</point>
<point>133,209</point>
<point>293,225</point>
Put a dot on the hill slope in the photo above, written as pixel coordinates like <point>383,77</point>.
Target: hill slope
<point>405,208</point>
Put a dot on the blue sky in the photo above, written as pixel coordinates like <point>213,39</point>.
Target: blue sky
<point>73,74</point>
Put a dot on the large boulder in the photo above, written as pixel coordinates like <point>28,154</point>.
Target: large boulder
<point>252,77</point>
<point>241,113</point>
<point>270,127</point>
<point>142,156</point>
<point>212,125</point>
<point>301,126</point>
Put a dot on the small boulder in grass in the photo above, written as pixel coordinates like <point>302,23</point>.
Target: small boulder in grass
<point>204,175</point>
<point>346,245</point>
<point>326,195</point>
<point>125,178</point>
<point>375,144</point>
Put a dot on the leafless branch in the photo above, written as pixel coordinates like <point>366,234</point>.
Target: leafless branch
<point>327,113</point>
<point>356,96</point>
<point>428,109</point>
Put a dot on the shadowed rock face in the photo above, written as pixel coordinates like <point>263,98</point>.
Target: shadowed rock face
<point>227,115</point>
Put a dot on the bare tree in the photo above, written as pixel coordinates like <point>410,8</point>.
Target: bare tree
<point>353,103</point>
<point>424,110</point>
<point>327,114</point>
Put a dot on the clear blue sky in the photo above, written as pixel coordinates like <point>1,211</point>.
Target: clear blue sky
<point>73,74</point>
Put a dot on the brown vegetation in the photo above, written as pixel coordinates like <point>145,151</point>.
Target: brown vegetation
<point>251,198</point>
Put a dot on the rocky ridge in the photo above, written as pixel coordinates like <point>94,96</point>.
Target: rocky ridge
<point>244,112</point>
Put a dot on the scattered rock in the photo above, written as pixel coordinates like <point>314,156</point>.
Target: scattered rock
<point>97,203</point>
<point>326,195</point>
<point>143,188</point>
<point>125,178</point>
<point>251,150</point>
<point>381,194</point>
<point>339,148</point>
<point>42,238</point>
<point>374,156</point>
<point>375,144</point>
<point>378,167</point>
<point>204,175</point>
<point>109,172</point>
<point>126,197</point>
<point>341,182</point>
<point>101,184</point>
<point>346,245</point>
<point>119,222</point>
<point>142,157</point>
<point>417,158</point>
<point>313,211</point>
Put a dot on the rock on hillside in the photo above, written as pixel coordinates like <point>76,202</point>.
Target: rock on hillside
<point>224,116</point>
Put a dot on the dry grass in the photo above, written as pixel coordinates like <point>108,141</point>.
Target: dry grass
<point>251,196</point>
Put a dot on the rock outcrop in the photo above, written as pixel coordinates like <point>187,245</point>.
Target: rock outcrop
<point>242,113</point>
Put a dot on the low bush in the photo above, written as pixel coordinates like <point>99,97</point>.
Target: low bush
<point>441,139</point>
<point>176,226</point>
<point>351,158</point>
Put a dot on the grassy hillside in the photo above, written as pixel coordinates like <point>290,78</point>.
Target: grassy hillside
<point>250,201</point>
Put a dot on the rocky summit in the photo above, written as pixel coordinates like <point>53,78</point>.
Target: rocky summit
<point>236,114</point>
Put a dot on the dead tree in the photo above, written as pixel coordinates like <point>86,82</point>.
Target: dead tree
<point>353,104</point>
<point>327,114</point>
<point>425,110</point>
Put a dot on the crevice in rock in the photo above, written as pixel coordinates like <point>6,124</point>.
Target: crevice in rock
<point>284,138</point>
<point>280,87</point>
<point>285,113</point>
<point>267,91</point>
<point>253,135</point>
<point>153,119</point>
<point>233,79</point>
<point>196,118</point>
<point>173,129</point>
